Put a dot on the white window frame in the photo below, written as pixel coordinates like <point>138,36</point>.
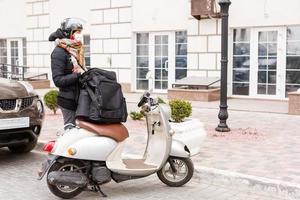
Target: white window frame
<point>285,50</point>
<point>280,69</point>
<point>134,58</point>
<point>151,56</point>
<point>171,59</point>
<point>20,55</point>
<point>20,50</point>
<point>87,56</point>
<point>281,63</point>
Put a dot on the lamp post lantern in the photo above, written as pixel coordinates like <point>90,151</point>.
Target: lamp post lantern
<point>223,114</point>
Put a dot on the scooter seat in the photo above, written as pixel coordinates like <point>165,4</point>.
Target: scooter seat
<point>117,132</point>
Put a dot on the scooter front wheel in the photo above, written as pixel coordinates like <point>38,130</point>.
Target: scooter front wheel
<point>62,191</point>
<point>176,171</point>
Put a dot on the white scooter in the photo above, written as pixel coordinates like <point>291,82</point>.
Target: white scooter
<point>90,155</point>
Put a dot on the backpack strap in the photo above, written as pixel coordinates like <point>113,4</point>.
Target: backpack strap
<point>92,95</point>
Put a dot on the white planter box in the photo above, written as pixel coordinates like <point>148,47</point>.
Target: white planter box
<point>191,133</point>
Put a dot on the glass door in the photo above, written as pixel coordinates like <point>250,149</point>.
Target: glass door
<point>3,58</point>
<point>268,65</point>
<point>14,57</point>
<point>162,58</point>
<point>161,62</point>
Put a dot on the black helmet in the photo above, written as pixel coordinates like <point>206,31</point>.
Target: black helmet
<point>69,25</point>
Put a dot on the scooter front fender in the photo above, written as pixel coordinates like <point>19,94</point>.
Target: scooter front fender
<point>188,137</point>
<point>178,149</point>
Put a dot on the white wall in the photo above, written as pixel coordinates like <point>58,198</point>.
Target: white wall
<point>111,37</point>
<point>59,10</point>
<point>264,13</point>
<point>159,15</point>
<point>12,18</point>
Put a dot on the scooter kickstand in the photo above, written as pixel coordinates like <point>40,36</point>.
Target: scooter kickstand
<point>98,189</point>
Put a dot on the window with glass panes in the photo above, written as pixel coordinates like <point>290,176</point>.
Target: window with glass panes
<point>161,61</point>
<point>181,54</point>
<point>241,62</point>
<point>267,62</point>
<point>14,52</point>
<point>3,51</point>
<point>14,56</point>
<point>142,60</point>
<point>87,53</point>
<point>24,45</point>
<point>3,58</point>
<point>293,59</point>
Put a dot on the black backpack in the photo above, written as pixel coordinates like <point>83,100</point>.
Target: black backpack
<point>101,99</point>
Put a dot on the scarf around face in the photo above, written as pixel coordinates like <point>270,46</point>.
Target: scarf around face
<point>74,48</point>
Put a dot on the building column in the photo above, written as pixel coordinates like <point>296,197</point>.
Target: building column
<point>37,33</point>
<point>111,38</point>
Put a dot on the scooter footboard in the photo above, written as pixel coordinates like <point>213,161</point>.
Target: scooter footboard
<point>187,138</point>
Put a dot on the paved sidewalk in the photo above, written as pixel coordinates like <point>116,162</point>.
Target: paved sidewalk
<point>264,142</point>
<point>22,184</point>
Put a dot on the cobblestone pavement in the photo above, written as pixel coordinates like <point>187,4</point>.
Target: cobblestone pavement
<point>261,143</point>
<point>18,182</point>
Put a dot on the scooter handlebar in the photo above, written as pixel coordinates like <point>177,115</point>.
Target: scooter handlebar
<point>144,99</point>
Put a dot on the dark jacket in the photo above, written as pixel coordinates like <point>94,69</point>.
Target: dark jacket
<point>62,75</point>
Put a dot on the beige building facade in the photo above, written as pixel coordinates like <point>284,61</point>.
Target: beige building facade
<point>133,37</point>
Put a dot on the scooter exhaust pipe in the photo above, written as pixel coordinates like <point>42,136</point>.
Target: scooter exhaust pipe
<point>71,179</point>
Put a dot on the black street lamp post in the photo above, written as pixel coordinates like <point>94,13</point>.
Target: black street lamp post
<point>223,114</point>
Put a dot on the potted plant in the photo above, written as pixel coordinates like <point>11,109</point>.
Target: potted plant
<point>180,109</point>
<point>136,115</point>
<point>186,128</point>
<point>50,100</point>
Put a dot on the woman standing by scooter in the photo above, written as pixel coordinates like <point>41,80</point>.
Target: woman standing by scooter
<point>67,65</point>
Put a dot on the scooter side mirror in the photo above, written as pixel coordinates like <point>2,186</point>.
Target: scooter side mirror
<point>149,77</point>
<point>144,98</point>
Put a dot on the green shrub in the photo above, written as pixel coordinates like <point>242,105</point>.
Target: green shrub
<point>50,100</point>
<point>180,109</point>
<point>136,115</point>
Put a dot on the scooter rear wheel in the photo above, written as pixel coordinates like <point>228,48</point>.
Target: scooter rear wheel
<point>184,172</point>
<point>62,191</point>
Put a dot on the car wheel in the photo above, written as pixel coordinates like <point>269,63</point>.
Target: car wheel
<point>24,148</point>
